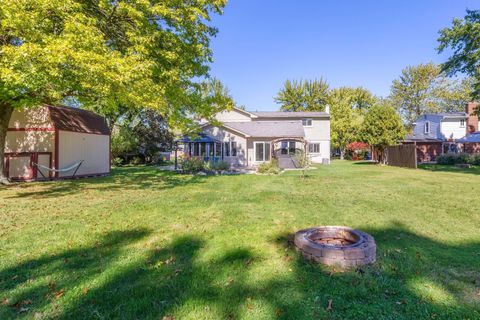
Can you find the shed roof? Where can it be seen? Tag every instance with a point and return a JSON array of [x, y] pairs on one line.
[[78, 120], [293, 129]]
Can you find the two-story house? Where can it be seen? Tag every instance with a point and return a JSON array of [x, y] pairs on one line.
[[246, 139], [439, 133]]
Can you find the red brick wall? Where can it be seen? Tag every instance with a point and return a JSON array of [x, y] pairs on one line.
[[472, 148], [428, 151], [472, 120]]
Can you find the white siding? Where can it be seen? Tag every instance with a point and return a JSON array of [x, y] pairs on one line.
[[232, 116], [93, 149], [450, 129]]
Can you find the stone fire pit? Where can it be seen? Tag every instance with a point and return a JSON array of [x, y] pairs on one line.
[[341, 246]]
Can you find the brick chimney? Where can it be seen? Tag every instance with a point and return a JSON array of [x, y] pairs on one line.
[[472, 120]]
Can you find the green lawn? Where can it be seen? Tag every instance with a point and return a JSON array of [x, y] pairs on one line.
[[146, 244]]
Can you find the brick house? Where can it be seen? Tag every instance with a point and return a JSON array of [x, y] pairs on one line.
[[454, 132]]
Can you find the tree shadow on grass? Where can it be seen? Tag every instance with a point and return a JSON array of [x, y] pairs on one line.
[[412, 276], [450, 168], [129, 178], [37, 283]]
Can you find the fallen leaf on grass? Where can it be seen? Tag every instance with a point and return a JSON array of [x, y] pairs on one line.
[[330, 305], [249, 304], [59, 294], [85, 290], [168, 318], [5, 302]]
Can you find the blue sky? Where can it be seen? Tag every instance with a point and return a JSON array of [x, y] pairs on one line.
[[261, 43]]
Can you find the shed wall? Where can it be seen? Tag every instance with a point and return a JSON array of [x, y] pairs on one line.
[[93, 149]]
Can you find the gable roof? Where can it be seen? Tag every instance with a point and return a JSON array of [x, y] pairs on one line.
[[78, 120], [267, 129], [286, 114], [447, 115]]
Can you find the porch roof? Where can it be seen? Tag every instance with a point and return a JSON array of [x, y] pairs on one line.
[[269, 129], [201, 137]]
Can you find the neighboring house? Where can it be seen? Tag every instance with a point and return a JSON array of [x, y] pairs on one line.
[[56, 138], [246, 139], [439, 133]]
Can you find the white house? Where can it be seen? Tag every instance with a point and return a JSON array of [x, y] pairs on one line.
[[246, 139]]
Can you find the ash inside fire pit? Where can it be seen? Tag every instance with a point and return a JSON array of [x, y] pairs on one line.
[[341, 246]]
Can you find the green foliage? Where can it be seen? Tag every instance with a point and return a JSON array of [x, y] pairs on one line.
[[463, 38], [270, 167], [475, 160], [106, 54], [192, 165], [124, 141], [303, 161], [347, 109], [382, 127], [217, 166], [303, 95], [423, 88], [135, 161], [458, 158], [117, 162]]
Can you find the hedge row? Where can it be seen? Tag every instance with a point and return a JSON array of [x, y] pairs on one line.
[[459, 158]]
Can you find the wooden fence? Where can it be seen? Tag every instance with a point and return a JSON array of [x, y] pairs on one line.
[[404, 155]]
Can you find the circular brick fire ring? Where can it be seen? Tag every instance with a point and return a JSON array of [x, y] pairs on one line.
[[340, 246]]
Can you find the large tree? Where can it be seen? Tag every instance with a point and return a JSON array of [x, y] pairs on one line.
[[382, 127], [423, 88], [463, 37], [104, 54], [303, 95], [347, 108]]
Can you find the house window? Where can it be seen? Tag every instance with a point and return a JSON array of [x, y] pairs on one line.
[[210, 150], [203, 149], [218, 149], [307, 122], [196, 149], [462, 123], [262, 151], [226, 149], [314, 148], [233, 148], [427, 127]]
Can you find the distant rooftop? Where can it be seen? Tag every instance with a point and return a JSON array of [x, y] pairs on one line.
[[286, 114], [448, 114]]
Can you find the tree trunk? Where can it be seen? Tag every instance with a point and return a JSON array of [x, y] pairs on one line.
[[6, 111], [342, 154]]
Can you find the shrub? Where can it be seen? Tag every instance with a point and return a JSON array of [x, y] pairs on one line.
[[192, 165], [117, 162], [454, 158], [136, 161], [476, 160], [269, 167], [217, 166]]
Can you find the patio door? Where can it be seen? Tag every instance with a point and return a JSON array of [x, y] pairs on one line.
[[262, 151]]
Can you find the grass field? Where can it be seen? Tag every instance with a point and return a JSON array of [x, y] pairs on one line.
[[145, 244]]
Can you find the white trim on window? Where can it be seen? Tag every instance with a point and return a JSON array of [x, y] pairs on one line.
[[265, 151], [462, 123], [426, 127], [307, 122], [316, 146]]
